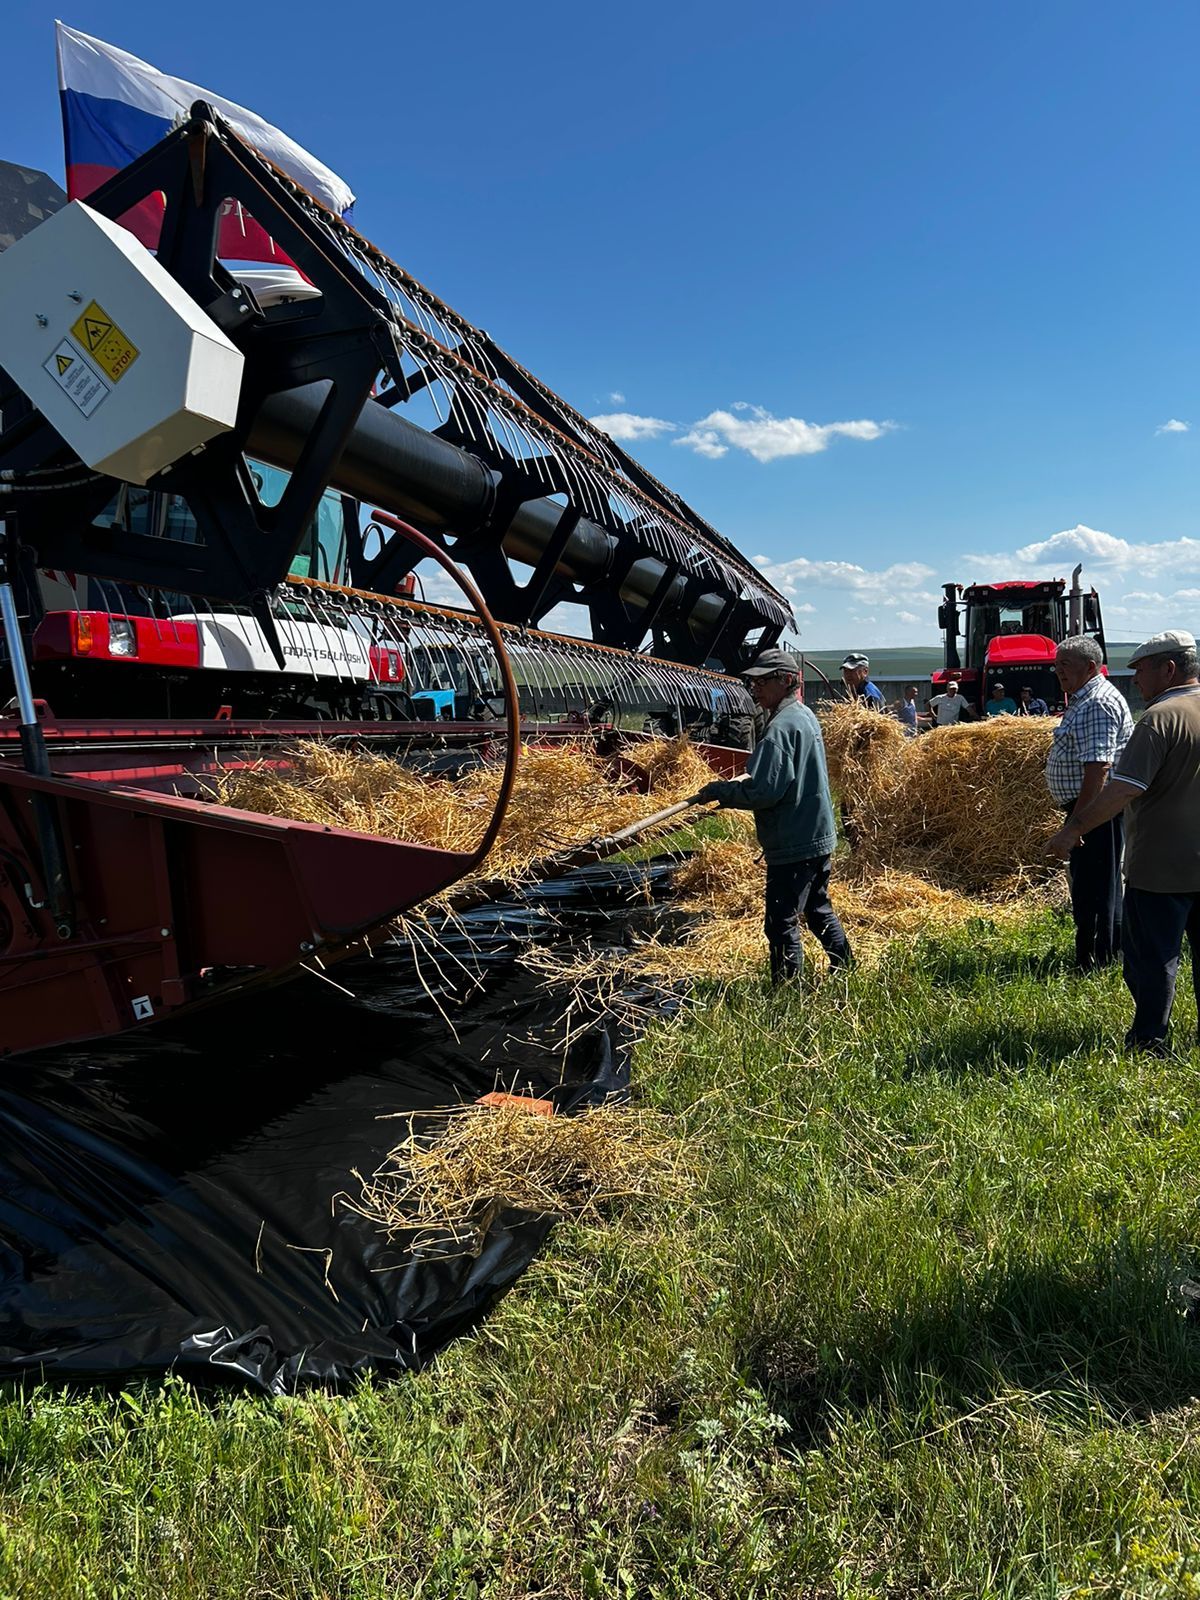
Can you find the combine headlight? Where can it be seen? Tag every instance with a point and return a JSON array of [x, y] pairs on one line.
[[122, 637]]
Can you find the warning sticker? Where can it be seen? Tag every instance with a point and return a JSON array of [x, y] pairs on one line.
[[77, 377], [108, 347]]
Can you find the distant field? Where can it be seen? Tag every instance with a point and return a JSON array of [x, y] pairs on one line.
[[920, 660], [917, 660]]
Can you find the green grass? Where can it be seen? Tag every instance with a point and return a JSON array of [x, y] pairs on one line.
[[918, 1331], [707, 825]]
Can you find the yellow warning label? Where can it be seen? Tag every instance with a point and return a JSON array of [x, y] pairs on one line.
[[108, 347], [63, 363]]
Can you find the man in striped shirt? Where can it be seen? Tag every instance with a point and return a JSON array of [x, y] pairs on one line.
[[1158, 778], [1094, 730]]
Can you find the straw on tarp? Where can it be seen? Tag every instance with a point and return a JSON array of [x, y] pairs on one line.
[[564, 797]]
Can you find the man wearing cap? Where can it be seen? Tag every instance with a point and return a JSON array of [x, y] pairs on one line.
[[786, 786], [1000, 704], [950, 707], [1157, 779], [1086, 746], [1030, 704], [856, 675]]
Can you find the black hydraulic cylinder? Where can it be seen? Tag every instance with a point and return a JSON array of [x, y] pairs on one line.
[[392, 463]]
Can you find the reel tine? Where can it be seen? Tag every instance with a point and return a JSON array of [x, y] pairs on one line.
[[492, 397]]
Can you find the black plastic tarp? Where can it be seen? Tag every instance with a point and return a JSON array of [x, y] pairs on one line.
[[168, 1200]]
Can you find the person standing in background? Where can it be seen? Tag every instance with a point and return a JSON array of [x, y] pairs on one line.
[[1094, 730], [856, 675], [907, 714], [1158, 777], [950, 707]]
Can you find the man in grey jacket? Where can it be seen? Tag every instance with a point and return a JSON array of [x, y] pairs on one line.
[[787, 788]]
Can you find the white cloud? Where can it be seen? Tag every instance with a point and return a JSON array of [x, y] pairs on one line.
[[795, 576], [753, 429], [1075, 544], [1151, 597], [627, 427], [616, 398], [1174, 426], [769, 438], [437, 587], [567, 617], [805, 610], [1163, 575], [705, 442], [1149, 559], [911, 620]]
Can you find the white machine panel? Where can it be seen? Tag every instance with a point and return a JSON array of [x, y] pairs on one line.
[[110, 349], [236, 643]]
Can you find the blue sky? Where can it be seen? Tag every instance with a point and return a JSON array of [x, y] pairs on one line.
[[910, 288]]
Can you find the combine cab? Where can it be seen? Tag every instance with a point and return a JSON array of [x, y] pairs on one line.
[[1008, 633]]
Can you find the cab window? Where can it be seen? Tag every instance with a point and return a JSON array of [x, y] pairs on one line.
[[322, 552]]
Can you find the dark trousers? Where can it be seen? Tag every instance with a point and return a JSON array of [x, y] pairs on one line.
[[1154, 928], [795, 891], [1094, 868]]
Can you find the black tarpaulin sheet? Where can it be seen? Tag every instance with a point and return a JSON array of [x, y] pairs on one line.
[[167, 1200]]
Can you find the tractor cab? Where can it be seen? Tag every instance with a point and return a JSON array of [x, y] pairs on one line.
[[1009, 632]]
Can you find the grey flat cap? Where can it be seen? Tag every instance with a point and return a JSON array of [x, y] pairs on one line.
[[771, 661], [1161, 644]]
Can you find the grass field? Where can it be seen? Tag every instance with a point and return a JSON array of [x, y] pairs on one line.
[[917, 1330]]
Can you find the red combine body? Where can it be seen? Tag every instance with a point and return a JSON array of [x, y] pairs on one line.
[[1010, 633]]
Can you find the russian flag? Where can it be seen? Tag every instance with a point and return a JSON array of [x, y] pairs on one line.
[[116, 107]]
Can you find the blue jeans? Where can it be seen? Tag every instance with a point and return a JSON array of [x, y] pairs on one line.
[[800, 889], [1153, 941]]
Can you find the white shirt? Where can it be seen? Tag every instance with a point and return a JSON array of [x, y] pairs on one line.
[[948, 707]]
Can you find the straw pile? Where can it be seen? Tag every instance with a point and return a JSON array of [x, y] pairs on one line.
[[945, 829], [724, 876], [439, 1189], [965, 806], [672, 768], [861, 749], [563, 796], [721, 886]]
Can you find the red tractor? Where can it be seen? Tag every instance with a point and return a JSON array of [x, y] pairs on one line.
[[1010, 632]]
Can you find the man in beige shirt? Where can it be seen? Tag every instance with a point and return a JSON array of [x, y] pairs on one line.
[[1157, 776]]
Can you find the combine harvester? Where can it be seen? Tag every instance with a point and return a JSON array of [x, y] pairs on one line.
[[175, 448]]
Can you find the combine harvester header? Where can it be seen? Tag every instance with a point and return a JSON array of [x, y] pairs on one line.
[[511, 473], [123, 896]]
